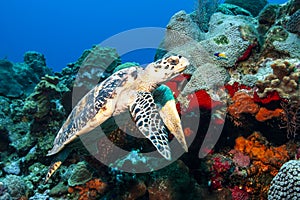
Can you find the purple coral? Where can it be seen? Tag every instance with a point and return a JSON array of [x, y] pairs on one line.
[[239, 194], [240, 159], [219, 165]]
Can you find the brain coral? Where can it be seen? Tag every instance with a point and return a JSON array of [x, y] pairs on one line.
[[286, 184]]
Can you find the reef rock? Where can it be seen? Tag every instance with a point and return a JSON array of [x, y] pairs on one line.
[[293, 25], [80, 175], [230, 9], [231, 35], [15, 186], [254, 6], [173, 182], [268, 15], [95, 65], [228, 34], [21, 78]]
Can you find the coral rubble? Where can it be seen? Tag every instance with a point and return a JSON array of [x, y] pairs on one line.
[[242, 83]]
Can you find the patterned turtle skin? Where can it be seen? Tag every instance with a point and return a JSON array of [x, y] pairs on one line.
[[129, 88]]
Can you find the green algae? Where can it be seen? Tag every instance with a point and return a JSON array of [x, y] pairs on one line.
[[221, 40]]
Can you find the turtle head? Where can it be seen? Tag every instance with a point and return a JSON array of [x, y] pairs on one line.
[[166, 68]]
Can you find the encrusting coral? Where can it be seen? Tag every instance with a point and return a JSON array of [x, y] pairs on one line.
[[242, 103], [265, 114], [265, 161], [258, 151], [92, 189]]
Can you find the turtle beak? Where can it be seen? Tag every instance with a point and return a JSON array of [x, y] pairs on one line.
[[184, 63]]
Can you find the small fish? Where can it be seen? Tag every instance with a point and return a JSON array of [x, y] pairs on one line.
[[221, 55], [54, 166]]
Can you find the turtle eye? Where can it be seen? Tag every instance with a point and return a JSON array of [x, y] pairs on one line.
[[173, 61]]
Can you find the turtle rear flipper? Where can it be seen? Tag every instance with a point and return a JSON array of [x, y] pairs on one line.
[[146, 117]]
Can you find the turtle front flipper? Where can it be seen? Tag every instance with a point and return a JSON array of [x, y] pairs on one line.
[[146, 117], [91, 111], [164, 97]]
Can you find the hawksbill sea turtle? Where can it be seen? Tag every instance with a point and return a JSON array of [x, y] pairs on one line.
[[128, 89]]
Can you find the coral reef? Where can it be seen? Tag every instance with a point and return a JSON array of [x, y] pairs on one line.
[[284, 80], [247, 169], [92, 189], [13, 187], [205, 9], [244, 67], [21, 78], [268, 15], [173, 182], [229, 34], [214, 77], [239, 31], [242, 103], [218, 166], [80, 175], [289, 46], [95, 65], [230, 9], [264, 155], [181, 23], [292, 117], [254, 7], [264, 114], [46, 92], [293, 25], [285, 185]]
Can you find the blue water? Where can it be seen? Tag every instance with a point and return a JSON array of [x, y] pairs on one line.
[[62, 29]]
